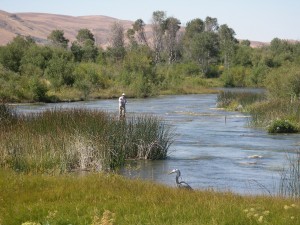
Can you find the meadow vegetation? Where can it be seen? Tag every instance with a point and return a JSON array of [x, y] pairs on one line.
[[101, 198]]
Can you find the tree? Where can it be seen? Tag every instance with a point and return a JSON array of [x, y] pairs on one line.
[[117, 43], [227, 44], [139, 28], [57, 39], [158, 30], [171, 25], [84, 48], [84, 35], [193, 27], [205, 49], [12, 54], [130, 36]]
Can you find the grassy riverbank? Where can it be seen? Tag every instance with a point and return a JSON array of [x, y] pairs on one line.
[[111, 199], [276, 115]]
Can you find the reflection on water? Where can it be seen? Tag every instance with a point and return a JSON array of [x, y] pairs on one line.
[[213, 148]]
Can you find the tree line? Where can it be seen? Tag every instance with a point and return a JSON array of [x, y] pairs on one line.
[[169, 60]]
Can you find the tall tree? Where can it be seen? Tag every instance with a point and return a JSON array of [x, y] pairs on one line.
[[193, 27], [172, 26], [57, 39], [227, 44], [84, 35], [158, 30], [117, 43], [139, 28], [204, 49]]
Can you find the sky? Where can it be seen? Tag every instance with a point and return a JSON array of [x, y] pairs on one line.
[[255, 20]]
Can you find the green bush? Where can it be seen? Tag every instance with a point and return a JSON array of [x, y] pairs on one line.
[[282, 126], [235, 77]]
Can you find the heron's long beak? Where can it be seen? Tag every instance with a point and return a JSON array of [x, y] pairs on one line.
[[171, 172]]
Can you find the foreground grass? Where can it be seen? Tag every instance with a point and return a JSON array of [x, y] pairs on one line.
[[111, 199]]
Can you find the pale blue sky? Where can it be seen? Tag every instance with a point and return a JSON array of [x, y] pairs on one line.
[[257, 20]]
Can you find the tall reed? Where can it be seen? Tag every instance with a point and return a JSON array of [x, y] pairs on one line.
[[58, 141], [290, 178], [231, 99], [264, 113]]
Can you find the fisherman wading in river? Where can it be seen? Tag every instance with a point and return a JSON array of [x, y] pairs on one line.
[[122, 106]]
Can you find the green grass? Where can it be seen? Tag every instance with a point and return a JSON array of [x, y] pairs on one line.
[[99, 198]]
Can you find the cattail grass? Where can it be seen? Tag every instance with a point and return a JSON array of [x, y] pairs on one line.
[[59, 141]]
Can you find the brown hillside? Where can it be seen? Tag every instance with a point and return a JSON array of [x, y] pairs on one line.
[[40, 25]]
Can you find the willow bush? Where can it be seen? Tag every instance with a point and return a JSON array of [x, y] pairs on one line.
[[59, 141]]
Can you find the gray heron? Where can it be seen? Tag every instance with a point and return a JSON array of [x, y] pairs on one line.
[[180, 184]]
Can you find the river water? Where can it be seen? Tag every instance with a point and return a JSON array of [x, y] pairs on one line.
[[213, 148]]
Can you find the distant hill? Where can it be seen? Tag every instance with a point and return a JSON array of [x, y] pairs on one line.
[[40, 25]]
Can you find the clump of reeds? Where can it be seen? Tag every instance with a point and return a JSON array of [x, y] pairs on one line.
[[266, 113], [231, 100], [58, 141], [290, 178]]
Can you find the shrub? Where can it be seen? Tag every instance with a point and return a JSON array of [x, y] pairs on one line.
[[282, 126]]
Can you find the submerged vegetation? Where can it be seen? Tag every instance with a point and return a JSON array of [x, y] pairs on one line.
[[59, 141]]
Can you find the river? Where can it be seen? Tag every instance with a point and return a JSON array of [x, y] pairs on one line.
[[213, 148]]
